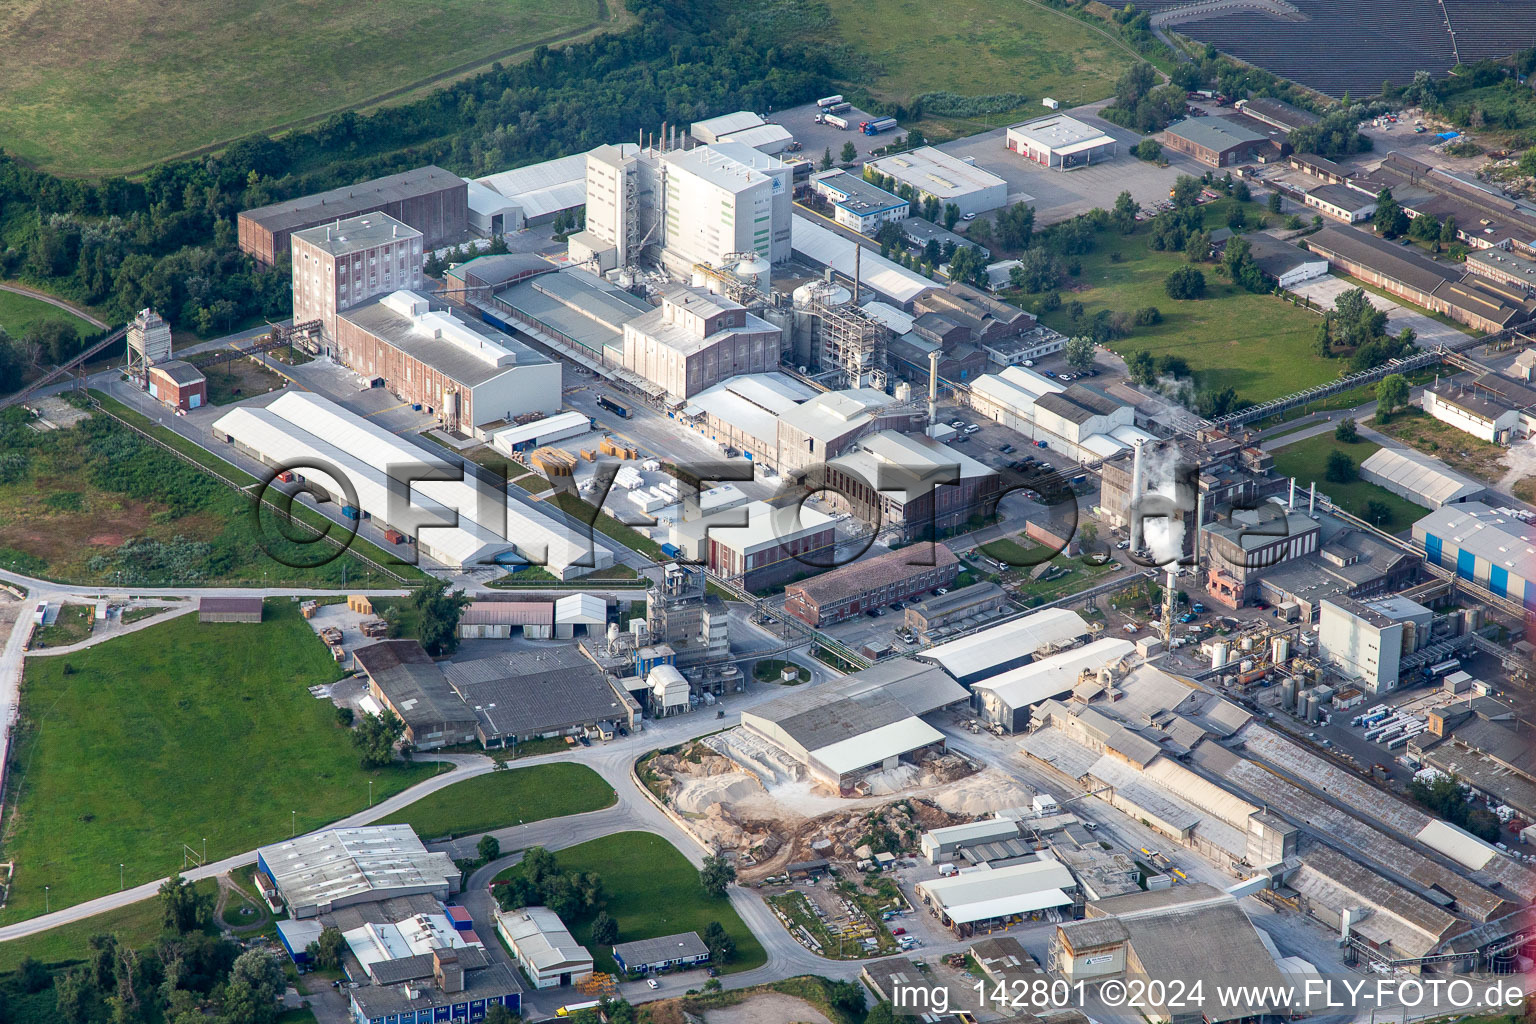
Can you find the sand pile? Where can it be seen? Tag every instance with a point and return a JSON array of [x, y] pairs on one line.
[[694, 794], [983, 793]]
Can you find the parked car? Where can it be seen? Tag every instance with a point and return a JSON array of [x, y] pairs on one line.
[[653, 983], [973, 428], [1007, 449], [899, 931], [942, 591]]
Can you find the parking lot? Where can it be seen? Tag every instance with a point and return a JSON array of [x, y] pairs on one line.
[[1059, 195], [816, 138]]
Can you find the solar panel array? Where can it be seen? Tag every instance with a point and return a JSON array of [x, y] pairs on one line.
[[1355, 45]]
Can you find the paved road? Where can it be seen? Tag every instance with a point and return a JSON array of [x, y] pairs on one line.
[[31, 293]]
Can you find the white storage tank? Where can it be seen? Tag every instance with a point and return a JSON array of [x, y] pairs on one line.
[[1280, 650], [1219, 654], [755, 271]]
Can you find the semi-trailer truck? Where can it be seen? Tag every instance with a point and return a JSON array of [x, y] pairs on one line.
[[829, 101], [880, 124], [837, 122]]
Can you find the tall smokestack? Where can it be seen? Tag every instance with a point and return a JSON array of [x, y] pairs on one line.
[[933, 388], [663, 136], [1199, 521], [857, 250], [1290, 503], [1136, 470], [1312, 498]]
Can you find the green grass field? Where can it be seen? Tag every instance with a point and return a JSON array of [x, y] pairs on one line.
[[976, 48], [135, 925], [72, 626], [652, 891], [505, 798], [19, 312], [1306, 460], [161, 80], [179, 732], [1258, 345]]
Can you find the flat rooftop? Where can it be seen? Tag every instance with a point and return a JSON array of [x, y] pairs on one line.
[[1062, 134], [349, 200], [357, 233], [937, 173]]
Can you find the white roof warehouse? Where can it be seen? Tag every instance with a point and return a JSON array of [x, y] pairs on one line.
[[971, 898]]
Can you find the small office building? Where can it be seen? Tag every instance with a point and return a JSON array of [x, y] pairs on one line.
[[1060, 141], [644, 956]]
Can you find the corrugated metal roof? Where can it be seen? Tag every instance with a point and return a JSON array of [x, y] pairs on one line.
[[824, 246], [1431, 481]]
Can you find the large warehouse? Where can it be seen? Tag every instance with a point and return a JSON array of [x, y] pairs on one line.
[[1060, 141], [405, 679], [695, 340], [871, 583], [502, 530], [826, 248], [1482, 545], [535, 194], [1006, 699], [933, 172], [863, 722], [338, 867], [1221, 141], [983, 896], [989, 652], [463, 372], [429, 199], [1419, 478]]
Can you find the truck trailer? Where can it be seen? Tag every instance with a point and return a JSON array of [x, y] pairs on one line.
[[878, 125]]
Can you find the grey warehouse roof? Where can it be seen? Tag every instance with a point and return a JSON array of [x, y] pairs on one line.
[[660, 949], [412, 682], [1216, 133], [535, 691], [340, 863], [349, 198], [1407, 472]]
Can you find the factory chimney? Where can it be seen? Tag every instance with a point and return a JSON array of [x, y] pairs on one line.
[[857, 249], [1290, 503], [933, 388], [1312, 498], [1135, 520]]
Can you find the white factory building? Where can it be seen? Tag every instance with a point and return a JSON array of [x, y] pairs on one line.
[[694, 340], [867, 721], [508, 201], [527, 436], [709, 205], [989, 652], [1060, 141], [745, 128], [371, 465], [1365, 640], [1008, 698], [545, 949], [340, 867], [1484, 545], [1076, 419], [949, 179], [971, 899]]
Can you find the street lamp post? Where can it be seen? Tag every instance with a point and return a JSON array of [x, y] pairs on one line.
[[205, 851], [370, 792], [293, 820], [119, 878], [47, 901]]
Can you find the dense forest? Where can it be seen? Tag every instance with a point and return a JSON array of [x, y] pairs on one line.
[[168, 240]]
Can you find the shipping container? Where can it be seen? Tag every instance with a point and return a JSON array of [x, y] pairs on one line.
[[394, 536]]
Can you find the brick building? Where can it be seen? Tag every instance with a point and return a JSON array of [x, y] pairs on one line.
[[178, 384], [871, 583], [429, 199], [341, 265]]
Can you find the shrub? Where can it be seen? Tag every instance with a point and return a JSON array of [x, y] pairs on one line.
[[1185, 283]]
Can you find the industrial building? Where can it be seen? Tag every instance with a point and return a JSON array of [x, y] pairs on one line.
[[1221, 141], [338, 867], [1476, 412], [1071, 420], [1009, 645], [508, 201], [1482, 545], [463, 372], [870, 583], [909, 482], [1503, 266], [642, 956], [1277, 113], [1419, 478], [517, 438], [444, 985], [943, 845], [981, 897], [1438, 287], [428, 199], [823, 247], [695, 340], [829, 424], [574, 311], [550, 956], [539, 693], [1008, 698], [1242, 547], [229, 609], [969, 604], [743, 127], [371, 465], [1349, 563], [863, 722], [1366, 640], [1195, 933], [403, 678], [343, 264], [178, 384], [506, 619], [857, 204], [933, 172], [1319, 167], [1285, 264], [1484, 217], [745, 413], [1474, 741], [757, 544], [1059, 141], [1341, 203]]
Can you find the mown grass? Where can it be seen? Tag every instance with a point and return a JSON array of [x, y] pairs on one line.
[[652, 891], [1307, 460], [165, 79], [19, 312], [504, 798], [180, 732], [135, 926]]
